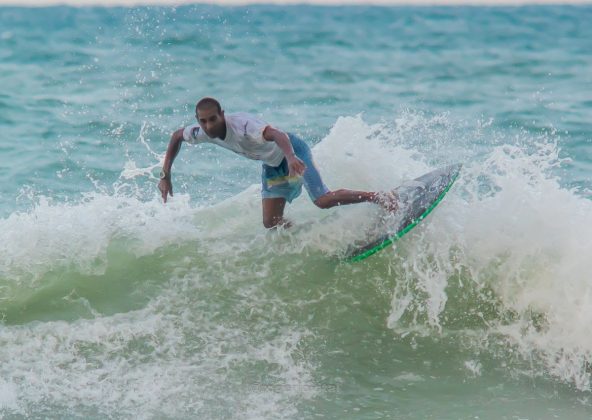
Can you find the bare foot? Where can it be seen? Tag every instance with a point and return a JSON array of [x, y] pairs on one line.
[[389, 200], [282, 224]]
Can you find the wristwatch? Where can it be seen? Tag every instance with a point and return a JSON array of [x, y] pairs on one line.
[[163, 174]]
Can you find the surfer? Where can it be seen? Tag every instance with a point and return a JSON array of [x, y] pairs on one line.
[[287, 161]]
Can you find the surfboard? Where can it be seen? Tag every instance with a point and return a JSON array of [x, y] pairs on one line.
[[416, 199]]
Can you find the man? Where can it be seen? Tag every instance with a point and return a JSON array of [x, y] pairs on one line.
[[287, 161]]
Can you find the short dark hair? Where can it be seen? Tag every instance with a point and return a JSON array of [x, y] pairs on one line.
[[208, 102]]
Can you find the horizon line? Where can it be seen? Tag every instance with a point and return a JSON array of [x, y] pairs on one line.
[[174, 3]]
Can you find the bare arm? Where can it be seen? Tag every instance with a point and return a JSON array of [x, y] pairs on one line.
[[172, 151], [296, 166], [165, 185]]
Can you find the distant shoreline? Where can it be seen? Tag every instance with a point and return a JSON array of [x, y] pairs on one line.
[[108, 3]]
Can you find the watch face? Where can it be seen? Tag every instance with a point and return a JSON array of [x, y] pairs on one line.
[[162, 174]]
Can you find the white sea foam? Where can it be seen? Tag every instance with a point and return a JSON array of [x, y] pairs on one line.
[[144, 363], [511, 227], [219, 333]]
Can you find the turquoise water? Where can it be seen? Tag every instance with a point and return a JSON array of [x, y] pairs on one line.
[[116, 306]]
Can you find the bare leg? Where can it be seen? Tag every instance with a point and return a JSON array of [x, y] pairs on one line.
[[343, 197], [273, 213]]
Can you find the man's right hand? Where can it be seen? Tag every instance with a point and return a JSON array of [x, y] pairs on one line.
[[166, 187]]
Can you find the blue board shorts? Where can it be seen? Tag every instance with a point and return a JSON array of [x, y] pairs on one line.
[[275, 182]]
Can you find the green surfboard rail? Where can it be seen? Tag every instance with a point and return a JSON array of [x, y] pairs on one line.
[[407, 228]]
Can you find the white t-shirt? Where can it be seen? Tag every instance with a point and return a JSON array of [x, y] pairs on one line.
[[244, 135]]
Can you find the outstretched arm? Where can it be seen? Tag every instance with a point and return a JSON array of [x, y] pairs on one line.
[[165, 185], [296, 166]]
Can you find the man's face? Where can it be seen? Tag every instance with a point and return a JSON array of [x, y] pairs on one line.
[[211, 122]]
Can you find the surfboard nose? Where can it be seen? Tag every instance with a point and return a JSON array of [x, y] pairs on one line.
[[452, 169]]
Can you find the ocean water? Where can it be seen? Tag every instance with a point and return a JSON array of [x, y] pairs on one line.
[[114, 305]]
